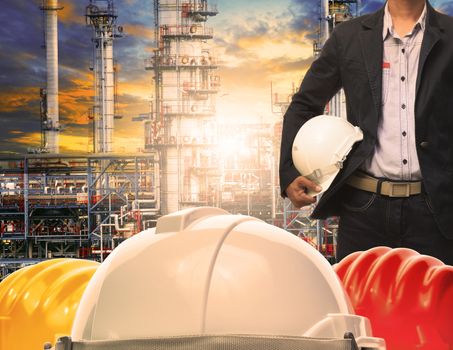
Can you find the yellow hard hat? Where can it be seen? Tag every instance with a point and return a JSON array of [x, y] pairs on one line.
[[38, 302]]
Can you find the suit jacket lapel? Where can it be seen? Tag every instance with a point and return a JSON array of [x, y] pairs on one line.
[[430, 38], [372, 48]]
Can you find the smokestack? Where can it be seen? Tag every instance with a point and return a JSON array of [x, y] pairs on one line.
[[51, 123]]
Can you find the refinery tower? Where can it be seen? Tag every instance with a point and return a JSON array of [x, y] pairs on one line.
[[50, 123], [181, 126], [101, 16]]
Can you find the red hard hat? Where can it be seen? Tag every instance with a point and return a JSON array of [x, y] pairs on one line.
[[407, 297]]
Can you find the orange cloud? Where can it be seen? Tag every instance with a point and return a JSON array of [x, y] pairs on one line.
[[72, 143], [79, 143], [31, 139], [251, 41], [18, 98], [138, 30], [140, 88], [284, 44], [69, 15], [76, 101]]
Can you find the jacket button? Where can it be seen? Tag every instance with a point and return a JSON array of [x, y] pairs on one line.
[[424, 144]]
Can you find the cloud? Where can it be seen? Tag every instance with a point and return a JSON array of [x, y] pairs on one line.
[[304, 16], [444, 6], [21, 57], [248, 42], [371, 6], [139, 30], [24, 99], [255, 74], [20, 69], [72, 12], [135, 12], [75, 103], [257, 47], [74, 143], [19, 130], [133, 105], [79, 140], [29, 140], [257, 42]]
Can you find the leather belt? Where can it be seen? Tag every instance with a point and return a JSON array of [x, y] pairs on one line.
[[384, 187]]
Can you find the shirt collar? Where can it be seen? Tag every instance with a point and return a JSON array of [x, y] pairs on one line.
[[388, 23]]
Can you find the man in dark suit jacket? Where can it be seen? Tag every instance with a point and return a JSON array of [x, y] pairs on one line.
[[418, 116]]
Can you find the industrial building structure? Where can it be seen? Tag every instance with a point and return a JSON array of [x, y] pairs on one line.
[[51, 205], [101, 16], [248, 184], [181, 125], [75, 205], [66, 205]]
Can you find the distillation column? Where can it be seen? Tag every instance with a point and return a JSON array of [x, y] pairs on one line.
[[182, 127], [101, 15], [50, 121], [332, 14]]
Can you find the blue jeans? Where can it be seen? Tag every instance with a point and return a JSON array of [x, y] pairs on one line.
[[368, 220]]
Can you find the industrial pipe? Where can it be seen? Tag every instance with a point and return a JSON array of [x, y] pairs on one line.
[[51, 130]]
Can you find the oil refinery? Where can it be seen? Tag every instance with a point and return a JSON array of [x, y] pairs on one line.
[[188, 241], [83, 205]]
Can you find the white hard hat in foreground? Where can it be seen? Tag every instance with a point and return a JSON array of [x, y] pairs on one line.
[[219, 279], [321, 146]]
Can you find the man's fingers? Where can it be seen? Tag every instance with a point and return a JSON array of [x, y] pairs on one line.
[[301, 199], [303, 182], [298, 190], [305, 199]]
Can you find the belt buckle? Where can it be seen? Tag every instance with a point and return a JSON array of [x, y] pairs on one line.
[[400, 189]]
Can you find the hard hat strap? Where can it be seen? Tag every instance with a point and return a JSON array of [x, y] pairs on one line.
[[213, 342], [317, 174]]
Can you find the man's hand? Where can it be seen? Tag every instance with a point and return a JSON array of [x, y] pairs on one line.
[[297, 191]]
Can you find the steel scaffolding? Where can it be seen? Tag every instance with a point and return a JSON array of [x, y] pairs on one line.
[[51, 206]]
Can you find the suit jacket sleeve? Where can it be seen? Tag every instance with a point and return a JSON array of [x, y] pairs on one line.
[[319, 85]]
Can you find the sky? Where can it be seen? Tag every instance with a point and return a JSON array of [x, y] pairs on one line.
[[257, 42]]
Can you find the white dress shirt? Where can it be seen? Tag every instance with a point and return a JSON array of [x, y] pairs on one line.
[[395, 155]]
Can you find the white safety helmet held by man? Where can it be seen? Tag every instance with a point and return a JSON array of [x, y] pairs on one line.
[[321, 146], [206, 279]]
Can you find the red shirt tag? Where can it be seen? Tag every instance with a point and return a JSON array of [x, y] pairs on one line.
[[385, 65]]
